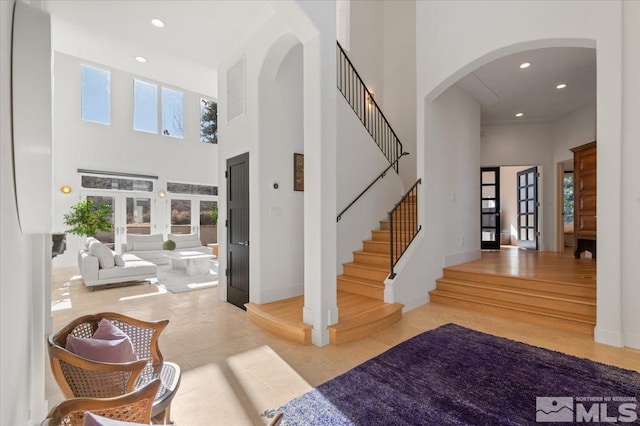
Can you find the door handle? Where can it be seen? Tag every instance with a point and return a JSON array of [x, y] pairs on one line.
[[244, 243]]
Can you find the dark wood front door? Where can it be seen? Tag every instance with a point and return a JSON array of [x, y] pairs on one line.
[[528, 235], [238, 230], [490, 208]]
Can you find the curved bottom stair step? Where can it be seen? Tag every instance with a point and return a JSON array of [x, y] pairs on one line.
[[575, 322], [365, 323]]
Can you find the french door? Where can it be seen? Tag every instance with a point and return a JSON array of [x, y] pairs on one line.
[[133, 213], [490, 208], [193, 215], [528, 235]]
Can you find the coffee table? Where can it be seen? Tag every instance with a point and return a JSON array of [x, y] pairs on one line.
[[196, 263]]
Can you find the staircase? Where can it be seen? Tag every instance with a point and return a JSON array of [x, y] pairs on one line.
[[554, 303]]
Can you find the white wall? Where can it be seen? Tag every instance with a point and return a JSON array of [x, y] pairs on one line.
[[23, 262], [366, 40], [282, 209], [449, 198], [631, 176], [399, 76], [509, 201], [522, 144], [117, 147], [516, 26], [359, 163]]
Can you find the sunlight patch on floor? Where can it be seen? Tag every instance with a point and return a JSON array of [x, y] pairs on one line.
[[267, 380]]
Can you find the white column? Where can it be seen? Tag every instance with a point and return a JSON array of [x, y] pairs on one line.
[[320, 304]]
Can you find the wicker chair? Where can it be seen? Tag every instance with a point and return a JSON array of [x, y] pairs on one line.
[[80, 377], [133, 407]]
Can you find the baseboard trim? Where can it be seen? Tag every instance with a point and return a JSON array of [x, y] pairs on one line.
[[415, 303], [632, 340], [608, 337], [455, 259]]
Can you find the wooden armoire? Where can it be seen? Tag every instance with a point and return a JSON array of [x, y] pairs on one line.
[[584, 198]]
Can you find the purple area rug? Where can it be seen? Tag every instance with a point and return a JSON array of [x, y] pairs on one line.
[[456, 376]]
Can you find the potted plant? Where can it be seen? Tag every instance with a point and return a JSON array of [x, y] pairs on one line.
[[86, 218]]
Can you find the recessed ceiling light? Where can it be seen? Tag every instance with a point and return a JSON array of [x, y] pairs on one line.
[[525, 65], [141, 59], [519, 114], [561, 86], [157, 22]]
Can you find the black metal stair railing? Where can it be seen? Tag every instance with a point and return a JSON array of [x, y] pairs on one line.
[[403, 225], [361, 100]]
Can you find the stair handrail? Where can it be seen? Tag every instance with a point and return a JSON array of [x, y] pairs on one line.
[[407, 233], [359, 97], [380, 176]]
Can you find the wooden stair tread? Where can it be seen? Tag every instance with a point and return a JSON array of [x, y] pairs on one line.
[[516, 307], [515, 277], [372, 254], [366, 266], [522, 291], [361, 281]]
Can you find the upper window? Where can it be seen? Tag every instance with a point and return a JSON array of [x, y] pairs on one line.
[[122, 184], [96, 91], [171, 113], [208, 121], [145, 106], [191, 188]]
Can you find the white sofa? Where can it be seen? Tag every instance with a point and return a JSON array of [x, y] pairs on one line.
[[100, 265], [150, 247]]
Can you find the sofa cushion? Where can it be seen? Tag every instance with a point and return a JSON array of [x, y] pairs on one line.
[[108, 344], [103, 253], [185, 240], [91, 419], [133, 242], [131, 268]]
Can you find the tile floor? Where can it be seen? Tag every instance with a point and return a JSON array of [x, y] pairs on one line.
[[232, 370]]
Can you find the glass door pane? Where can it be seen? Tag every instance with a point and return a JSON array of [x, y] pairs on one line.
[[208, 218], [107, 237], [138, 215], [180, 216]]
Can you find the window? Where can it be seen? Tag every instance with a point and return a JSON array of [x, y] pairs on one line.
[[208, 121], [122, 184], [171, 113], [145, 107], [568, 198], [96, 93], [189, 188]]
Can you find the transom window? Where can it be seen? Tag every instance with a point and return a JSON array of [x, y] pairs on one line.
[[116, 183], [191, 188], [96, 95]]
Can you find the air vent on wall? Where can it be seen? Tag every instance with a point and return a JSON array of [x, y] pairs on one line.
[[235, 90]]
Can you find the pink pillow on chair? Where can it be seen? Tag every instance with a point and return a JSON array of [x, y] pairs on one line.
[[108, 344]]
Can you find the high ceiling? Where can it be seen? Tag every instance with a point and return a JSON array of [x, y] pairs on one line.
[[504, 89], [188, 49]]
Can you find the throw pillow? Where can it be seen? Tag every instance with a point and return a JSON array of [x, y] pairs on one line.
[[91, 419], [108, 344], [103, 253], [117, 259], [185, 240]]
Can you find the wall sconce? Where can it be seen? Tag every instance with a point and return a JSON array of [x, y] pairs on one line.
[[65, 189], [162, 193]]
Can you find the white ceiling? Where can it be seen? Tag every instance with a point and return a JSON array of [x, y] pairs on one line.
[[186, 52], [503, 89]]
